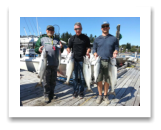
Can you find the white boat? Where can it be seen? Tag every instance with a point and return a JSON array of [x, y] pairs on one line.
[[30, 61]]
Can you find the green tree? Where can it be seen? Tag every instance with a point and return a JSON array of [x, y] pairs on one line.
[[91, 38], [128, 46]]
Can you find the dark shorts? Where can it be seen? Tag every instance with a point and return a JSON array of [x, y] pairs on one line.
[[103, 72]]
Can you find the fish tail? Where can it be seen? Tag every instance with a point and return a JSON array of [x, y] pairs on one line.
[[112, 93], [89, 90], [67, 83], [38, 85]]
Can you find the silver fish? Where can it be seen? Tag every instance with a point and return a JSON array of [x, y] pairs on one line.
[[87, 73], [59, 56], [112, 72], [42, 67], [96, 68], [69, 66]]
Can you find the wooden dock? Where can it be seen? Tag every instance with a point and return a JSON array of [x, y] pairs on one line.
[[127, 91]]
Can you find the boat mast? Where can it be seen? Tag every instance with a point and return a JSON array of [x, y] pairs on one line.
[[27, 36], [37, 27]]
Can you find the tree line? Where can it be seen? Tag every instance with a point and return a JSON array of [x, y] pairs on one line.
[[129, 48], [65, 36]]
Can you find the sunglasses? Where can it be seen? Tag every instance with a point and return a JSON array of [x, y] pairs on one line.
[[50, 29], [77, 29], [105, 26]]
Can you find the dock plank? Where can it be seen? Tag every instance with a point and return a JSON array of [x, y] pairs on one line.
[[135, 91], [137, 100], [128, 82], [119, 81], [40, 100], [120, 86], [39, 90], [128, 93]]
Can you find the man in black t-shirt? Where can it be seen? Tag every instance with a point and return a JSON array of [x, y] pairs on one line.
[[80, 45]]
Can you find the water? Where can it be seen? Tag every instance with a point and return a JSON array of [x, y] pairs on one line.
[[130, 55]]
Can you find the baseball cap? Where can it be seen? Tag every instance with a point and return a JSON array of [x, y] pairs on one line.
[[105, 22], [49, 26]]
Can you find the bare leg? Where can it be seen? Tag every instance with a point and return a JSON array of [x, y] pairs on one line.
[[106, 87], [99, 85]]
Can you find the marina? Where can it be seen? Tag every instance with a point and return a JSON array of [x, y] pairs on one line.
[[127, 90]]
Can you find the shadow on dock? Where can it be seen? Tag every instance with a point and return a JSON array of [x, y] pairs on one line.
[[123, 94], [28, 91]]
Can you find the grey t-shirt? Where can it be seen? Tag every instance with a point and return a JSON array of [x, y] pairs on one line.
[[52, 55]]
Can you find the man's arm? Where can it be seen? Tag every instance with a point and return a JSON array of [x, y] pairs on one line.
[[88, 45], [95, 49]]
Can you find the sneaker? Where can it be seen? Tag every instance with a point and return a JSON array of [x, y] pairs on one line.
[[105, 98], [47, 98], [75, 94], [81, 95], [54, 96], [99, 99]]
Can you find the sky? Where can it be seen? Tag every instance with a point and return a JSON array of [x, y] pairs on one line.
[[129, 26], [129, 30]]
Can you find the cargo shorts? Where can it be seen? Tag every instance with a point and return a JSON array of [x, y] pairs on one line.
[[103, 74]]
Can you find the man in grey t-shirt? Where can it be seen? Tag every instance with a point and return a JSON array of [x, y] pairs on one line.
[[50, 44]]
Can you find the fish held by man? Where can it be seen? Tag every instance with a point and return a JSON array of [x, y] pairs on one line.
[[69, 67], [59, 55], [96, 68], [42, 67], [87, 72], [112, 73]]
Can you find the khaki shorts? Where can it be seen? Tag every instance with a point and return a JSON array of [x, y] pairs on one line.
[[103, 72]]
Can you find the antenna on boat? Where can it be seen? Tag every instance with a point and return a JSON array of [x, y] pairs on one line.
[[37, 27]]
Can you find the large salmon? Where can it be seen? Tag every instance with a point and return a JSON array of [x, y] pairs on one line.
[[42, 67], [69, 66], [87, 72], [112, 72]]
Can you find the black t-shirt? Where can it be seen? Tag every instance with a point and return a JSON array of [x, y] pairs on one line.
[[79, 45]]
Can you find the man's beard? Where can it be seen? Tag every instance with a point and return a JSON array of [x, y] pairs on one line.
[[49, 34], [105, 32]]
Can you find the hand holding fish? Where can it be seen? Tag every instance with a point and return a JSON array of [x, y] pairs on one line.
[[115, 54], [61, 45], [68, 50], [40, 49], [88, 54], [95, 55]]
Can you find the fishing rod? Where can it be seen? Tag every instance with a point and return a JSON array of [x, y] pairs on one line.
[[58, 27]]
